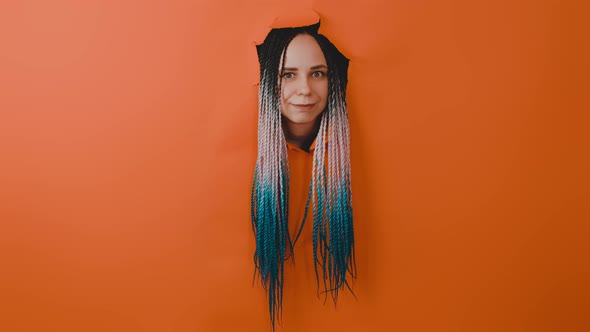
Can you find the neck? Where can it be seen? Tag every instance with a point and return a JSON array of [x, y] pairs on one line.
[[301, 134]]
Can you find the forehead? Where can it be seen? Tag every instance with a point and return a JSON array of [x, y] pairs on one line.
[[304, 52]]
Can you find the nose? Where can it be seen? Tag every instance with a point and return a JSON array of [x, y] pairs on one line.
[[303, 87]]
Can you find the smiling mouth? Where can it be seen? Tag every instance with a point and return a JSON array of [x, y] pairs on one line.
[[303, 107]]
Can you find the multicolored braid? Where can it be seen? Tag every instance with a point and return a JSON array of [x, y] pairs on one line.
[[330, 188]]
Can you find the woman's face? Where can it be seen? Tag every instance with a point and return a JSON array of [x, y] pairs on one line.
[[304, 81]]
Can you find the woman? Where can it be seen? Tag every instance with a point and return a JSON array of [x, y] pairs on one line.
[[303, 132]]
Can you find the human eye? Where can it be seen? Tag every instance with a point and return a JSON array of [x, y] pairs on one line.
[[318, 74], [288, 75]]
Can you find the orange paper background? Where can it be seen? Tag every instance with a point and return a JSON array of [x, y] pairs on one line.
[[128, 141]]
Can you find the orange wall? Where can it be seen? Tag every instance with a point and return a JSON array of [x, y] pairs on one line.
[[128, 141]]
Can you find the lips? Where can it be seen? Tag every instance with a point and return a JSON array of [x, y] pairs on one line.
[[303, 107]]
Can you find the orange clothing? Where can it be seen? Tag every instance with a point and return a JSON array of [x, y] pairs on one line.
[[300, 282]]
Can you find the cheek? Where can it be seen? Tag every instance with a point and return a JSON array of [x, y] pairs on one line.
[[322, 91], [287, 92]]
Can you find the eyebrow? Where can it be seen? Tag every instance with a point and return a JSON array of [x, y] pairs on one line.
[[314, 67]]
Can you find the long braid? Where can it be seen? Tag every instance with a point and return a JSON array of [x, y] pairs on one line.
[[333, 230], [330, 191], [270, 188]]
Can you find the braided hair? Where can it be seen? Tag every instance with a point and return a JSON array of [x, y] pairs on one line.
[[330, 188]]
